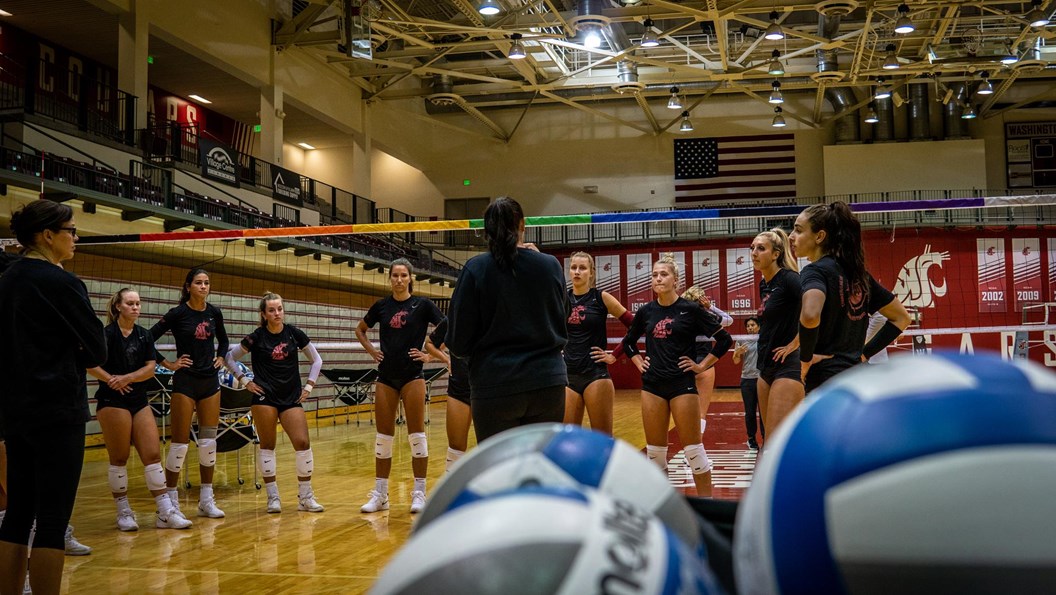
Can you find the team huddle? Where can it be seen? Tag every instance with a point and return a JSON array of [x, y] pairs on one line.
[[520, 346]]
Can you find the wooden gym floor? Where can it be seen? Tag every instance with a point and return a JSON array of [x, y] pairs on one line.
[[336, 551]]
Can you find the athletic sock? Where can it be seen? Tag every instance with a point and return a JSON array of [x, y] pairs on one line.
[[381, 485], [207, 492], [164, 504], [419, 484], [272, 489], [304, 488]]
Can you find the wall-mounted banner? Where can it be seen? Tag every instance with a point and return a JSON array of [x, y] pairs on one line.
[[1026, 271], [1052, 269], [740, 281], [608, 271], [706, 272], [1030, 151], [639, 280], [286, 185], [991, 258], [219, 161]]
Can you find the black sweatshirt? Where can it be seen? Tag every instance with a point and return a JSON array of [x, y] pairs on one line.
[[50, 336], [510, 324]]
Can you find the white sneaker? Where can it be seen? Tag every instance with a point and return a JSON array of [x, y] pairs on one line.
[[417, 501], [74, 547], [274, 505], [174, 520], [309, 504], [378, 501], [208, 508], [126, 521]]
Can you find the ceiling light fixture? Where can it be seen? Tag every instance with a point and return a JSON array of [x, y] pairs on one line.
[[779, 120], [4, 13], [882, 90], [968, 113], [686, 125], [199, 99], [775, 93], [774, 31], [591, 36], [891, 60], [775, 68], [489, 8], [649, 39], [870, 116], [306, 146], [516, 47], [904, 24], [674, 102], [1036, 17], [985, 88]]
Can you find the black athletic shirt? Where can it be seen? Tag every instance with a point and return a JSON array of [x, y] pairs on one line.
[[845, 316], [402, 325], [670, 333], [125, 355], [778, 314], [194, 332], [274, 359], [49, 334], [458, 377], [586, 329]]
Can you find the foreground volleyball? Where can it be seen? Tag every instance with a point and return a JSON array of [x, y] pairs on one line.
[[565, 456], [927, 474], [544, 541]]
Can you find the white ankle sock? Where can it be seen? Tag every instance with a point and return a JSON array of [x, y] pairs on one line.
[[419, 484], [164, 503], [206, 493], [272, 489], [304, 488], [381, 485]]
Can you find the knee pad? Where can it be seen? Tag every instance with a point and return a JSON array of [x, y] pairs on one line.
[[155, 477], [305, 463], [452, 457], [383, 446], [118, 477], [419, 446], [266, 462], [177, 454], [698, 459], [658, 455], [207, 432], [207, 451]]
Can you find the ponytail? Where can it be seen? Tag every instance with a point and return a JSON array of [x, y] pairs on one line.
[[779, 242], [502, 228], [843, 240]]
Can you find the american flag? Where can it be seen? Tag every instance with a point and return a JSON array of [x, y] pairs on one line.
[[735, 167]]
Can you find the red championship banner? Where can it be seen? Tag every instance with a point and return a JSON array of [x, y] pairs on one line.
[[639, 282], [1026, 271], [608, 272], [706, 272], [1052, 269], [741, 291], [992, 290]]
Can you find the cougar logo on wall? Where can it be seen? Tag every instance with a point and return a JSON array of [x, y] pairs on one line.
[[915, 287]]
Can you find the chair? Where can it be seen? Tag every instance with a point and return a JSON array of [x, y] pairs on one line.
[[352, 386], [235, 429], [159, 398]]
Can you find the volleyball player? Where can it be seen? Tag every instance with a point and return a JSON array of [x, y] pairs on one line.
[[586, 356], [705, 380], [838, 295], [276, 382], [123, 413], [671, 325], [508, 316], [50, 335], [403, 319], [459, 414], [780, 383], [201, 343]]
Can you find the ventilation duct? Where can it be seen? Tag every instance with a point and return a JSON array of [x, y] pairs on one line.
[[841, 98], [955, 126], [884, 129], [919, 112]]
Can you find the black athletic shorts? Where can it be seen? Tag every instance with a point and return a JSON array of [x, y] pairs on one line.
[[669, 388], [280, 405], [458, 389], [825, 369], [132, 403], [195, 387], [771, 371], [397, 384], [579, 381]]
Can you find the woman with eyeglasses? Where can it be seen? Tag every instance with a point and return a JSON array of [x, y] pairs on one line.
[[50, 336]]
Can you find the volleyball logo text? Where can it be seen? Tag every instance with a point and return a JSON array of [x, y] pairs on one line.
[[914, 287]]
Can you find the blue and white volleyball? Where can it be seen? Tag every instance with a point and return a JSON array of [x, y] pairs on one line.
[[928, 474], [545, 541], [566, 456], [229, 380]]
